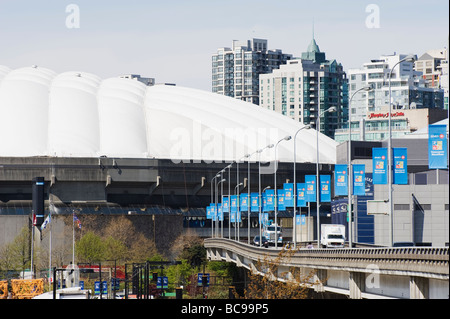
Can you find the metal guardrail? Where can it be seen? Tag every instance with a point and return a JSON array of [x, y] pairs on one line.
[[429, 262]]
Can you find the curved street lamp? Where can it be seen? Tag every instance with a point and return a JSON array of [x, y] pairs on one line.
[[287, 138], [367, 88], [306, 127], [330, 110], [410, 58]]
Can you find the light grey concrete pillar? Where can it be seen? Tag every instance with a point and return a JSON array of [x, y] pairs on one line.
[[418, 288], [356, 284]]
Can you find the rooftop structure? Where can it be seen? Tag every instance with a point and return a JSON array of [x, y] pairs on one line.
[[77, 115]]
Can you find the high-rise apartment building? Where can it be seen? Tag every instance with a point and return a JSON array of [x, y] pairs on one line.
[[236, 70], [429, 64], [304, 88], [407, 86]]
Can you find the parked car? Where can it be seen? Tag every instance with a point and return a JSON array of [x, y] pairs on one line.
[[264, 243]]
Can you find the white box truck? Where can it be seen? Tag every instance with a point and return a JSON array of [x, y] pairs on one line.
[[271, 234], [332, 236]]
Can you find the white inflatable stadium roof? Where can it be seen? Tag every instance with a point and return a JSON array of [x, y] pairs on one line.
[[77, 114]]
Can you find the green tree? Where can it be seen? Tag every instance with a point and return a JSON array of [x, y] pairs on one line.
[[114, 249], [195, 255], [17, 254], [90, 248]]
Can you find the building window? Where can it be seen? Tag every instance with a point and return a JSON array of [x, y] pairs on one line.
[[420, 179], [401, 206]]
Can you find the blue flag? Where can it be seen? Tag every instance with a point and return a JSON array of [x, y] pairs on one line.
[[437, 146], [289, 194], [233, 203], [270, 200], [310, 181], [325, 188], [340, 180], [225, 204], [214, 212], [401, 166], [208, 212], [243, 202], [301, 195], [300, 220], [254, 199], [238, 217], [359, 179], [264, 202], [280, 200], [380, 165], [220, 212]]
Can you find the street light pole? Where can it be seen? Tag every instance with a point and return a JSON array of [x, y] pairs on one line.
[[212, 201], [287, 138], [248, 190], [331, 109], [259, 191], [217, 204], [295, 187], [350, 171], [411, 59], [236, 192]]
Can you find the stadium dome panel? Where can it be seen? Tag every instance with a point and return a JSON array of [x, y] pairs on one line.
[[75, 114], [123, 131], [24, 101], [73, 120]]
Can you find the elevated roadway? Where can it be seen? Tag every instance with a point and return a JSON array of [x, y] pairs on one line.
[[359, 273]]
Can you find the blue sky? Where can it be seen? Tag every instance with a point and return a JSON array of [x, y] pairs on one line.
[[173, 40]]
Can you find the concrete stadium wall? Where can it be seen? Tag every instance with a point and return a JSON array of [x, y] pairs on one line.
[[164, 229]]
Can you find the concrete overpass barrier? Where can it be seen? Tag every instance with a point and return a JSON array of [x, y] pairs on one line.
[[407, 272]]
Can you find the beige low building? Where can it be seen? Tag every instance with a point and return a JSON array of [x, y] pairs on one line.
[[405, 121]]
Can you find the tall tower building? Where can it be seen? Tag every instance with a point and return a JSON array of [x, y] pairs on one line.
[[236, 70], [304, 88]]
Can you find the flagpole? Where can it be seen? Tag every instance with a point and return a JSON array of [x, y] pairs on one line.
[[73, 238], [32, 246], [50, 246]]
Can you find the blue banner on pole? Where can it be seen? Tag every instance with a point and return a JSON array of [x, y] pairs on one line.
[[243, 207], [270, 200], [214, 212], [254, 200], [340, 180], [325, 188], [97, 288], [208, 212], [225, 204], [380, 165], [437, 146], [301, 195], [401, 166], [265, 219], [233, 203], [359, 179], [264, 202], [310, 181], [220, 212], [280, 200], [288, 194], [300, 220]]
